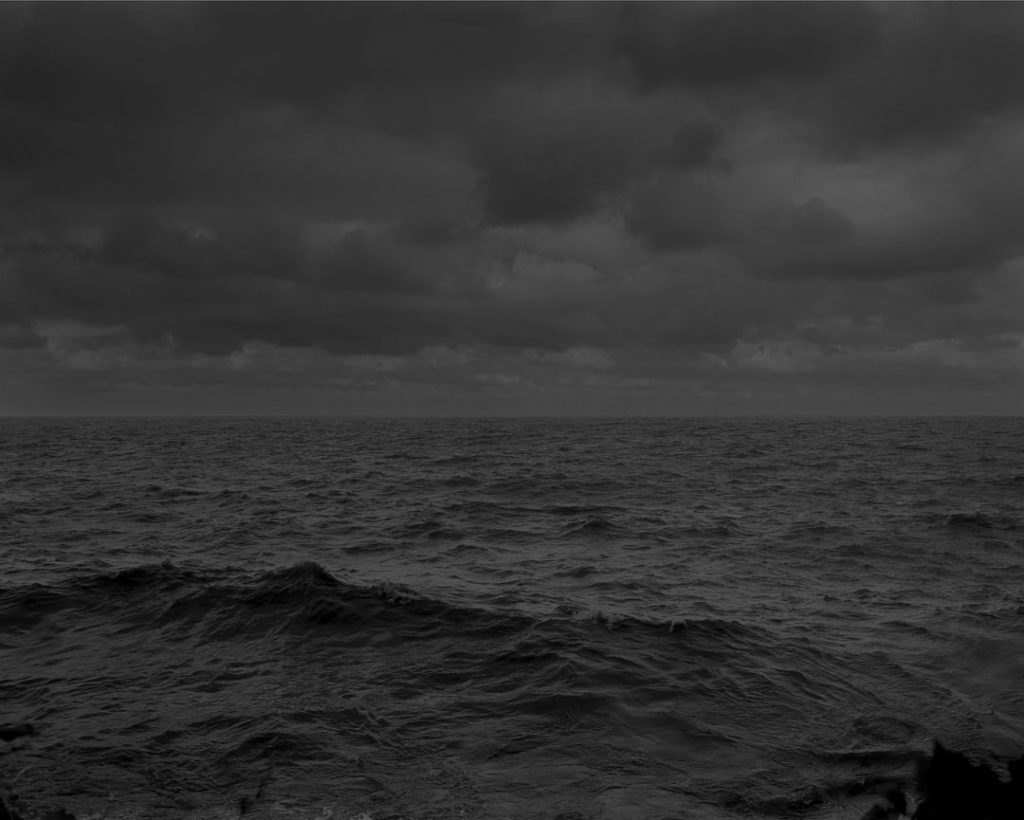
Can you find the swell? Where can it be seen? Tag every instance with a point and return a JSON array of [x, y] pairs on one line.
[[166, 595], [623, 666], [214, 675]]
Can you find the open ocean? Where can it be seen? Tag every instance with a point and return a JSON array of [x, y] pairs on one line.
[[504, 618]]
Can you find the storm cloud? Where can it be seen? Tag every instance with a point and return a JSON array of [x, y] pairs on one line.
[[558, 207]]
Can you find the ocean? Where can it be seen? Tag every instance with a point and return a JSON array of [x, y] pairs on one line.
[[371, 618]]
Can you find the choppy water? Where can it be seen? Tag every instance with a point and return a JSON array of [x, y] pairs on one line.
[[396, 618]]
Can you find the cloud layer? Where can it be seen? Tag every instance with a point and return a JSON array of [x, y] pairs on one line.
[[460, 208]]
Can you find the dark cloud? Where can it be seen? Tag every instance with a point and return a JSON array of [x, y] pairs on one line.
[[211, 289], [19, 337], [311, 52], [702, 44], [967, 237], [680, 213], [883, 257], [939, 70], [183, 61], [501, 194], [147, 106], [365, 263], [435, 229], [863, 77], [539, 177], [694, 143], [816, 223], [554, 153]]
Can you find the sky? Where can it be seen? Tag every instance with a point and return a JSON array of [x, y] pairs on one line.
[[491, 209]]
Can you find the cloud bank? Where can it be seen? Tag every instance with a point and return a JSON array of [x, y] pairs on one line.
[[511, 208]]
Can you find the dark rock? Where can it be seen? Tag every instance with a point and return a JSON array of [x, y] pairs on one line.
[[954, 788]]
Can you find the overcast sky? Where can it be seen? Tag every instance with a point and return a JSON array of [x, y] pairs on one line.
[[485, 208]]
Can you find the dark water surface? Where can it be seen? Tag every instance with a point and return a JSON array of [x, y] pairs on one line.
[[575, 618]]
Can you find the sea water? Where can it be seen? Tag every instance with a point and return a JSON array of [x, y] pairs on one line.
[[491, 618]]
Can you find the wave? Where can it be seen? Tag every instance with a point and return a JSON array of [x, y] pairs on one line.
[[231, 604], [301, 665], [429, 528], [723, 527], [456, 458], [805, 529], [576, 509], [588, 526], [979, 520], [461, 480], [574, 664], [171, 492]]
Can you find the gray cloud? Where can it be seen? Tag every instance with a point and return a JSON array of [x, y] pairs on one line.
[[702, 44], [661, 197], [967, 231], [16, 336], [680, 212], [558, 152], [939, 70]]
